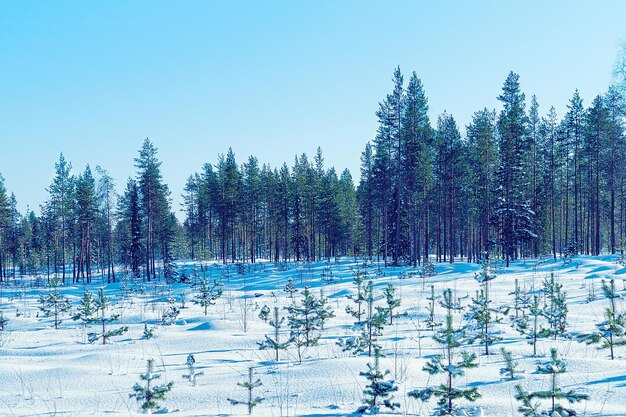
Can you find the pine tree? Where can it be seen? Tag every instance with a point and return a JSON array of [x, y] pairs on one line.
[[359, 298], [291, 289], [554, 367], [53, 304], [61, 191], [3, 321], [249, 385], [392, 302], [5, 220], [107, 197], [556, 309], [275, 343], [149, 394], [481, 314], [430, 321], [510, 365], [192, 374], [264, 313], [129, 229], [449, 339], [304, 320], [371, 328], [611, 332], [86, 308], [208, 293], [102, 304], [378, 391], [512, 216], [324, 310], [147, 332]]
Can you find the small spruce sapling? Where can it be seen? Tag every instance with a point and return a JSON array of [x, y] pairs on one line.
[[249, 385], [481, 317], [53, 304], [306, 317], [192, 374], [554, 367], [148, 395], [537, 331], [481, 313], [521, 304], [428, 270], [378, 391]]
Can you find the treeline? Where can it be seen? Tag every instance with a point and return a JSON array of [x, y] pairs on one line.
[[517, 183], [84, 228]]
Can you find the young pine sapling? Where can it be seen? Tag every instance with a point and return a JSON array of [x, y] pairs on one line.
[[53, 304], [554, 367], [378, 391], [249, 385], [275, 343], [148, 394]]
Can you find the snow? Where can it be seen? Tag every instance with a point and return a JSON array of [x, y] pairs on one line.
[[44, 371]]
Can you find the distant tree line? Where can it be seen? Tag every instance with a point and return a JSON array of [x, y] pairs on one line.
[[517, 183]]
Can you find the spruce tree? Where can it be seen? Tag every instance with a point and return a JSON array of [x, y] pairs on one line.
[[291, 289], [512, 215]]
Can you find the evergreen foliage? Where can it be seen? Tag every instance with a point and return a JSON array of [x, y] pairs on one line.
[[149, 394]]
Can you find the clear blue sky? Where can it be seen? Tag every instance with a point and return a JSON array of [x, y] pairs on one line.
[[92, 79]]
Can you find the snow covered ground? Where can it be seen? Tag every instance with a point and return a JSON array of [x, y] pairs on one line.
[[44, 371]]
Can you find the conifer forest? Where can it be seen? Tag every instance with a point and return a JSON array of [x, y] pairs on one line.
[[467, 269]]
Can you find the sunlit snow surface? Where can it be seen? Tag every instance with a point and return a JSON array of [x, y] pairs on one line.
[[56, 372]]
